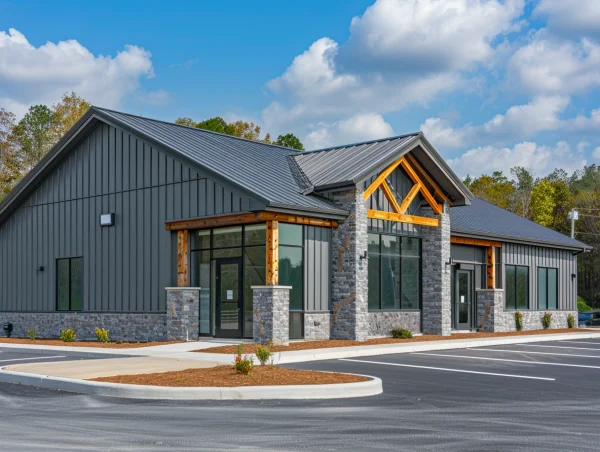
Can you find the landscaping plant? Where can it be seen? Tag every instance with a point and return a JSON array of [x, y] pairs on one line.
[[31, 334], [571, 321], [263, 352], [546, 320], [519, 320], [582, 306], [243, 365], [68, 335], [102, 335], [401, 333]]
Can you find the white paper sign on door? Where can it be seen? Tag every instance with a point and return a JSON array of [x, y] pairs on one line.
[[462, 298], [230, 294]]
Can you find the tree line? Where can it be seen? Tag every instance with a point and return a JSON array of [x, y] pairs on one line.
[[548, 201]]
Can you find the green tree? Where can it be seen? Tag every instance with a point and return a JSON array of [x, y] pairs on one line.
[[9, 166], [523, 188], [216, 124], [35, 134], [496, 189], [184, 121], [67, 112], [563, 202], [542, 203], [289, 140]]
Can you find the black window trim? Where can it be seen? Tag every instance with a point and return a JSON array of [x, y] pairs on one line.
[[515, 307], [547, 287], [70, 294]]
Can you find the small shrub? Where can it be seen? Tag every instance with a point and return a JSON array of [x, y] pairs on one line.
[[582, 306], [571, 321], [68, 335], [401, 333], [102, 335], [120, 341], [263, 352], [31, 334], [243, 365], [519, 320], [547, 319]]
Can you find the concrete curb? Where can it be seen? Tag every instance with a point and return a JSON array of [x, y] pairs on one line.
[[331, 391]]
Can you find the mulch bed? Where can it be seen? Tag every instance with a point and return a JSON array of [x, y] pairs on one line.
[[96, 344], [226, 376], [309, 345]]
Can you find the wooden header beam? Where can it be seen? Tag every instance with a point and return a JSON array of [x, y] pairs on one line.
[[476, 242], [490, 255], [247, 218], [412, 219]]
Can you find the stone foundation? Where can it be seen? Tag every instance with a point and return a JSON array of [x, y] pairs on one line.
[[490, 307], [317, 326], [183, 313], [532, 320], [382, 323], [129, 327], [271, 314]]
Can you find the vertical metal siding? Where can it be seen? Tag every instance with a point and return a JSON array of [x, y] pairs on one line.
[[534, 257], [126, 266], [317, 271]]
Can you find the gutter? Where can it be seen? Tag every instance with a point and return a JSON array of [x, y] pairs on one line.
[[524, 241]]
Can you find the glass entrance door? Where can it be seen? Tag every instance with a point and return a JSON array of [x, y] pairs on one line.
[[228, 299], [463, 299]]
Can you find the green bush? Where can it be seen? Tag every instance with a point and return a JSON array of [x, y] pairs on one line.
[[31, 334], [546, 320], [519, 320], [68, 335], [582, 306], [571, 321], [102, 335], [401, 333], [263, 352], [243, 365], [120, 341]]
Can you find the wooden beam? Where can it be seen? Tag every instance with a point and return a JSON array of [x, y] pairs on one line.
[[409, 198], [438, 191], [272, 276], [401, 218], [476, 242], [491, 267], [182, 259], [387, 191], [381, 178], [437, 208], [247, 218]]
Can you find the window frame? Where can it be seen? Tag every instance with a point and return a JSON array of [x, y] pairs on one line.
[[69, 259], [527, 291], [547, 288]]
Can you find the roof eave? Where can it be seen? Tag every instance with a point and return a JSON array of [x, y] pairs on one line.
[[524, 241]]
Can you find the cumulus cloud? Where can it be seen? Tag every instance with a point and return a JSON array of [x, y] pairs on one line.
[[543, 159], [519, 122], [30, 74], [596, 152], [362, 127], [571, 18]]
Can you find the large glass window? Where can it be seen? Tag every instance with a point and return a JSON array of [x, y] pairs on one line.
[[547, 288], [394, 272], [517, 287], [69, 284], [290, 274]]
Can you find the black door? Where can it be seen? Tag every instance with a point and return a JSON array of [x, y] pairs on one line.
[[229, 297], [463, 282]]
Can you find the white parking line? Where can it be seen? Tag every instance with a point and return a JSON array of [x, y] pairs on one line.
[[27, 359], [580, 342], [530, 353], [559, 346], [508, 360], [449, 370]]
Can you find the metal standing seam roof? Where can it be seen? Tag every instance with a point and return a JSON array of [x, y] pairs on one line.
[[259, 168], [482, 218]]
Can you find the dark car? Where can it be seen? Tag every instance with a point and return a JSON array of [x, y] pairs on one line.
[[589, 318]]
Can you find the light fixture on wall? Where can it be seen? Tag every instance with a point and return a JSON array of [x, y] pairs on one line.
[[40, 268], [363, 255], [573, 275], [450, 262], [107, 219]]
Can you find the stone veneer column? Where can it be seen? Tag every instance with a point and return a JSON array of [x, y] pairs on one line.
[[349, 290], [183, 313], [436, 290], [271, 314], [490, 305]]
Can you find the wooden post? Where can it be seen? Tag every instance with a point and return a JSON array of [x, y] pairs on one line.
[[491, 267], [272, 253], [182, 259]]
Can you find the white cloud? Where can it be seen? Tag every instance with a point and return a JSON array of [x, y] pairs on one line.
[[572, 17], [548, 65], [583, 123], [30, 74], [519, 122], [596, 152], [358, 128], [157, 98], [541, 159]]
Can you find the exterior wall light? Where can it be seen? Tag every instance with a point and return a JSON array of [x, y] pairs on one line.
[[107, 219]]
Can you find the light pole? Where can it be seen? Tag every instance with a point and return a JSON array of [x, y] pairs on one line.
[[573, 215]]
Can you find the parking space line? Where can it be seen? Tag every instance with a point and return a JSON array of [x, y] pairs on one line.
[[507, 360], [27, 359], [580, 342], [530, 353], [559, 346], [449, 370]]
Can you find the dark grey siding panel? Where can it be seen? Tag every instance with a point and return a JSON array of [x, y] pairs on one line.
[[317, 271], [534, 257], [126, 266], [466, 253]]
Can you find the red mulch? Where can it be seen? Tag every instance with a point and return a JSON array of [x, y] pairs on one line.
[[97, 344]]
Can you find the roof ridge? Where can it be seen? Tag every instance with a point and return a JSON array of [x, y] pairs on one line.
[[360, 143], [197, 129]]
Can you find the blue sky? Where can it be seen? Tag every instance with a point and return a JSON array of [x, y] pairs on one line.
[[491, 83]]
